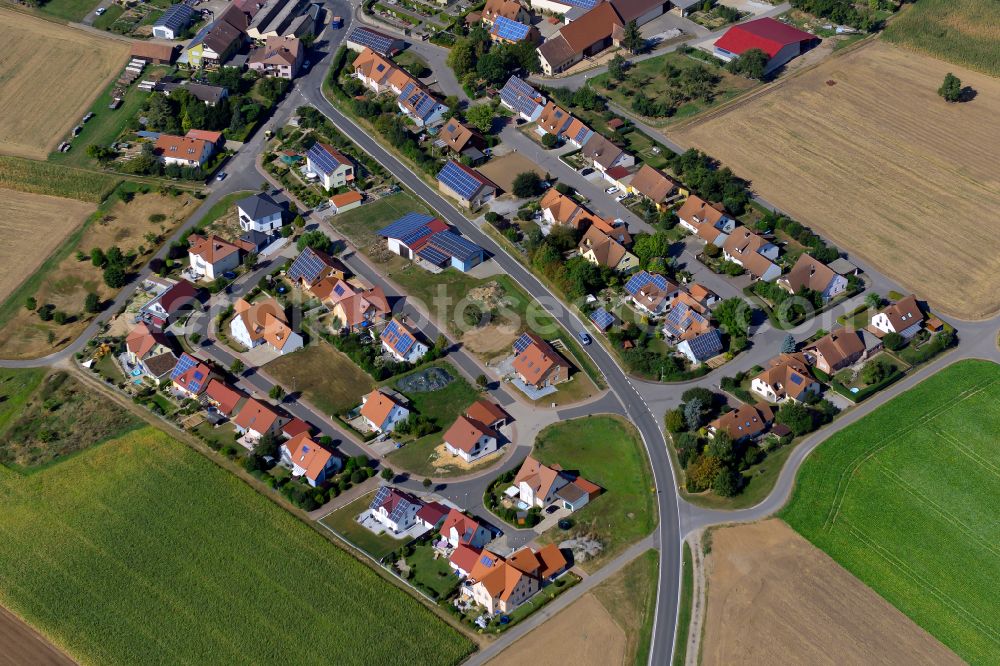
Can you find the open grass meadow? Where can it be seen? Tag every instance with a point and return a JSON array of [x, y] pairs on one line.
[[608, 451], [965, 32], [324, 376], [142, 551], [906, 499], [630, 598]]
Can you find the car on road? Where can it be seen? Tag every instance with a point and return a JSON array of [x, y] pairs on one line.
[[221, 176], [611, 190], [621, 197], [584, 338]]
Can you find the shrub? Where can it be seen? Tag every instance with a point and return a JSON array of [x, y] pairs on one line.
[[30, 303]]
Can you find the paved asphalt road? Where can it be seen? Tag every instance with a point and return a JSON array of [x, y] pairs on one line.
[[641, 402]]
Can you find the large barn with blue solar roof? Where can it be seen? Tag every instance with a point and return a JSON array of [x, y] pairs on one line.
[[471, 188]]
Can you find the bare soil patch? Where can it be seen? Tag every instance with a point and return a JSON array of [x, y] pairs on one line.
[[584, 634], [490, 339], [503, 170], [22, 247], [50, 74], [20, 644], [123, 224], [446, 462], [775, 598], [881, 165]]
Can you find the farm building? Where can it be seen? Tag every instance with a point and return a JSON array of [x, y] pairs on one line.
[[471, 188], [158, 54], [173, 21], [284, 18], [362, 38], [779, 41], [218, 40], [418, 236]]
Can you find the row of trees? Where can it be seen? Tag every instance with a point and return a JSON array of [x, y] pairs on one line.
[[703, 175]]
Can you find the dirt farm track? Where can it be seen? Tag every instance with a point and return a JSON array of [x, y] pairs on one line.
[[49, 76], [863, 150]]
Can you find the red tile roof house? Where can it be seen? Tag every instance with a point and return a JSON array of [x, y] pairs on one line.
[[432, 514], [537, 483], [143, 342], [489, 413], [396, 510], [463, 559], [753, 253], [836, 350], [222, 397], [308, 459], [537, 364], [178, 296], [212, 256], [810, 273], [382, 412], [746, 421], [779, 41], [707, 221], [786, 378], [500, 586], [255, 419], [182, 150], [460, 529], [469, 439], [903, 317], [190, 376]]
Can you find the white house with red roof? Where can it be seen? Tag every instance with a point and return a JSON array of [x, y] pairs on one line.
[[256, 419], [222, 397], [903, 317], [402, 343], [432, 514], [308, 459], [780, 41], [460, 529], [190, 376], [396, 510], [470, 439], [161, 309], [382, 411], [143, 342]]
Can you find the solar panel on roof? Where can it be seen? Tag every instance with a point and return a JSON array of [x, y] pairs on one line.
[[433, 255], [520, 96], [796, 379], [377, 42], [380, 496], [706, 345], [307, 266], [322, 159], [460, 181], [405, 225], [522, 343], [397, 338], [509, 29], [339, 290], [642, 279], [185, 363], [456, 246], [602, 318]]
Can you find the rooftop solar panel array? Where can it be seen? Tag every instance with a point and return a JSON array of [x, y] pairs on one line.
[[642, 279], [456, 246], [380, 496], [585, 4], [522, 343], [509, 29], [602, 318], [176, 17], [680, 318], [405, 225], [520, 96], [705, 345], [398, 338], [323, 160], [376, 41], [433, 255], [458, 180], [581, 134], [185, 363], [307, 266]]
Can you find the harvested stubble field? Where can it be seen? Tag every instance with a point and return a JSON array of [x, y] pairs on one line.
[[49, 75], [877, 162], [23, 248], [774, 598], [906, 499], [143, 551]]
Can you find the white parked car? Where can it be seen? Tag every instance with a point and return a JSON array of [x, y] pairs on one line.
[[621, 197], [100, 11], [611, 190]]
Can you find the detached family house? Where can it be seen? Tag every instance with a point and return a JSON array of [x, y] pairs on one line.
[[604, 154], [707, 221], [259, 212], [333, 167], [537, 364], [601, 249], [839, 349], [212, 256], [744, 422], [182, 150], [382, 411], [149, 350], [903, 317], [471, 188], [654, 185], [522, 99], [280, 57], [308, 459], [809, 273], [756, 255], [256, 419], [312, 267], [190, 376], [461, 530], [394, 509], [264, 322], [651, 292], [786, 378], [470, 439], [401, 343], [462, 140]]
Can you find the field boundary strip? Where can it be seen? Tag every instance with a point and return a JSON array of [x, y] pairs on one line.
[[848, 473], [948, 517], [969, 453], [901, 566]]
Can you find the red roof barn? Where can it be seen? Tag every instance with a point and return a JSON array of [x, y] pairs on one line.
[[780, 41]]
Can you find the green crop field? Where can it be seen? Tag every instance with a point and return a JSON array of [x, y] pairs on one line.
[[143, 551], [907, 498], [963, 32], [608, 451], [23, 175]]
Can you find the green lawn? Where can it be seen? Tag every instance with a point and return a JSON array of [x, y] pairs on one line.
[[608, 451], [684, 608], [142, 550], [70, 10], [952, 30], [906, 499], [104, 21], [16, 388], [343, 522], [630, 598], [310, 371], [435, 575]]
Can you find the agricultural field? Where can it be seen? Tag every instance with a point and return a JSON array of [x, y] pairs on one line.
[[23, 175], [768, 587], [608, 451], [25, 249], [906, 497], [964, 32], [56, 417], [876, 174], [49, 75], [214, 558], [324, 376], [611, 625], [63, 280]]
